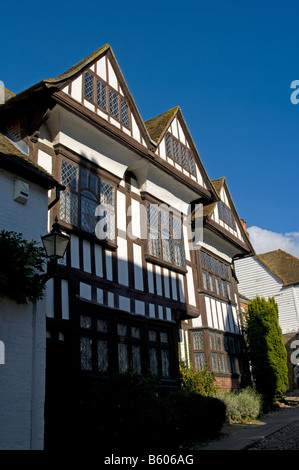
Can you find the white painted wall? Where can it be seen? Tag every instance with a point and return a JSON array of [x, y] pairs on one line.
[[256, 280], [23, 331]]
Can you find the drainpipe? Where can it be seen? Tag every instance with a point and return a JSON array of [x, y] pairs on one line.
[[59, 188]]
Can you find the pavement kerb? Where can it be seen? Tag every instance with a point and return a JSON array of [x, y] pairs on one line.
[[242, 437]]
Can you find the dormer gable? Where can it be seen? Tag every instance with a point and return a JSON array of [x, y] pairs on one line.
[[98, 84], [176, 147], [223, 214]]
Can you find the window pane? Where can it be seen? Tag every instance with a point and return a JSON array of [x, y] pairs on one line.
[[176, 153], [94, 183], [167, 247], [123, 362], [228, 364], [191, 163], [229, 290], [101, 95], [153, 215], [177, 229], [153, 360], [102, 325], [221, 363], [210, 267], [88, 86], [205, 280], [88, 209], [165, 363], [152, 335], [121, 329], [218, 285], [163, 337], [83, 178], [214, 362], [179, 254], [154, 243], [69, 208], [203, 260], [221, 269], [199, 361], [198, 342], [107, 192], [124, 113], [168, 145], [103, 356], [212, 341], [223, 288], [136, 359], [226, 272], [86, 353], [211, 283], [85, 321], [184, 157], [113, 104], [69, 175], [219, 341], [216, 266], [135, 332]]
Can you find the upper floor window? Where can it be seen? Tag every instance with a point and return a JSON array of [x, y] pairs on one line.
[[216, 275], [84, 192], [225, 214], [106, 98], [165, 235], [179, 153]]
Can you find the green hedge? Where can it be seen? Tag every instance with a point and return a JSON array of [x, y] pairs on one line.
[[127, 412], [241, 406]]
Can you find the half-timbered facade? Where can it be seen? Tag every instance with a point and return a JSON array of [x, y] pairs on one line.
[[215, 336], [131, 275]]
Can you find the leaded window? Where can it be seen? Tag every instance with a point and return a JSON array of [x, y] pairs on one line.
[[198, 341], [226, 215], [199, 359], [179, 153], [216, 276], [165, 235], [105, 98], [80, 202]]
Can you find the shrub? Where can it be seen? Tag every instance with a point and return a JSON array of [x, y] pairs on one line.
[[198, 381], [243, 405], [21, 262], [128, 412]]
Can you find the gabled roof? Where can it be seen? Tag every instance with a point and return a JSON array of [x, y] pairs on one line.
[[158, 126], [218, 184], [282, 265], [14, 160]]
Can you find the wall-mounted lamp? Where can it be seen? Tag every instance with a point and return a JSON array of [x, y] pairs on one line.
[[55, 244]]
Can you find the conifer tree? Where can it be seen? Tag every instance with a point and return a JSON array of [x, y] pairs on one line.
[[267, 351]]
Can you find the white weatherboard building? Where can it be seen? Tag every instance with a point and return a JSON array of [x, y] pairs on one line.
[[22, 327], [131, 293]]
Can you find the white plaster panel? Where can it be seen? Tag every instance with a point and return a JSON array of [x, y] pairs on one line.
[[65, 312]]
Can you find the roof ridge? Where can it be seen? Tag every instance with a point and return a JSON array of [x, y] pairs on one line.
[[157, 125]]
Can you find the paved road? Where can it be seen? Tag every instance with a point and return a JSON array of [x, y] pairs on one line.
[[285, 423]]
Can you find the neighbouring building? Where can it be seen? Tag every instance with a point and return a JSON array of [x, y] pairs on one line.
[[275, 274], [24, 190], [133, 291]]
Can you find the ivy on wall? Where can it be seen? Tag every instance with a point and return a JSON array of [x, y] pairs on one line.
[[21, 265]]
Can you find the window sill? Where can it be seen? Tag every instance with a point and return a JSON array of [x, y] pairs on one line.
[[165, 264], [219, 297], [71, 230]]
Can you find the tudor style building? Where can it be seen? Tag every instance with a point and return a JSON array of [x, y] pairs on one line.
[[132, 292]]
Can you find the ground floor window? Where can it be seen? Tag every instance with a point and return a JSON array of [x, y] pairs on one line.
[[221, 350], [112, 344]]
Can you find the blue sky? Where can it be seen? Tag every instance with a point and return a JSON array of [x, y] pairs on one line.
[[229, 65]]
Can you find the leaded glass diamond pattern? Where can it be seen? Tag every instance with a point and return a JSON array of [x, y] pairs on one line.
[[69, 208], [69, 175], [179, 254], [123, 359], [165, 363], [107, 191], [101, 95], [86, 353], [177, 229], [198, 342], [102, 356], [176, 151], [113, 104], [184, 157], [124, 110], [153, 357], [168, 145], [191, 163], [136, 359], [88, 86], [199, 361]]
